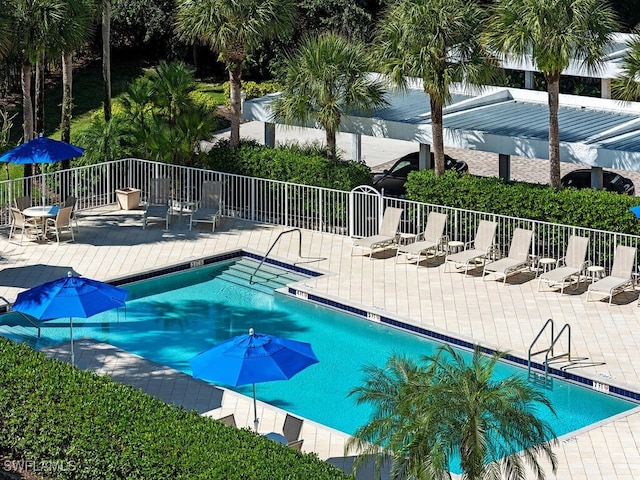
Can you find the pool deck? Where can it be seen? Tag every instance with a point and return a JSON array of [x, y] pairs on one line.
[[112, 243]]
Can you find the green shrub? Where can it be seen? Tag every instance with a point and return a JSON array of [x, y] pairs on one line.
[[95, 429], [254, 89], [588, 208], [292, 163]]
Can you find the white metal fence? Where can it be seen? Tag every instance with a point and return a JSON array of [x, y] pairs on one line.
[[354, 213]]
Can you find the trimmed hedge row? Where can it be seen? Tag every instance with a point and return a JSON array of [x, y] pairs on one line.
[[586, 207], [292, 163], [83, 426]]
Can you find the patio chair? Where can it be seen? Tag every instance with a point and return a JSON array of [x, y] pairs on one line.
[[208, 209], [432, 240], [516, 260], [297, 445], [71, 201], [229, 420], [571, 266], [157, 202], [476, 251], [26, 225], [620, 277], [387, 235], [62, 221], [22, 202], [292, 428]]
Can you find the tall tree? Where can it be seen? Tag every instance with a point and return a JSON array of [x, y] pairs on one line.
[[427, 413], [438, 41], [74, 33], [106, 59], [233, 28], [33, 26], [323, 81], [627, 85], [553, 33]]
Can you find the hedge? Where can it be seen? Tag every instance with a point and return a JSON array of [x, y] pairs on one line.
[[85, 426], [588, 208], [307, 166]]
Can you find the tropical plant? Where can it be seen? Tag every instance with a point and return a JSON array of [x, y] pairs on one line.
[[75, 30], [162, 116], [33, 27], [627, 85], [233, 29], [429, 413], [439, 42], [323, 81], [553, 33]]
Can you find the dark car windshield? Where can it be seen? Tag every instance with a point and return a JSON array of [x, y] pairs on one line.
[[401, 169]]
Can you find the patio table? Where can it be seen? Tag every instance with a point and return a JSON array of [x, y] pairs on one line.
[[42, 213]]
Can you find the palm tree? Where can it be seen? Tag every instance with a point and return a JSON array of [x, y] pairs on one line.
[[75, 30], [5, 28], [33, 28], [627, 85], [233, 29], [426, 414], [323, 81], [553, 33], [438, 41]]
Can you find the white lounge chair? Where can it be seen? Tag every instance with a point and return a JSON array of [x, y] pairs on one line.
[[516, 260], [621, 274], [474, 252], [208, 209], [157, 202], [432, 240], [571, 266], [387, 235]]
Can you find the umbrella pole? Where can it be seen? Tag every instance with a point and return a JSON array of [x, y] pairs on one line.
[[255, 409], [73, 362]]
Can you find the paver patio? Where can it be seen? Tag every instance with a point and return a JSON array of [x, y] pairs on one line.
[[112, 243]]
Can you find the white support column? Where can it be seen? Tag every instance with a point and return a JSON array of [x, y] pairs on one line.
[[605, 88], [528, 80], [424, 156], [356, 147], [596, 178], [270, 134], [504, 166]]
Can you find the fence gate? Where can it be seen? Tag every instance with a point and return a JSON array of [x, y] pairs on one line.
[[365, 211]]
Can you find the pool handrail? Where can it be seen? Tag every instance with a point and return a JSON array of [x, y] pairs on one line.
[[273, 245]]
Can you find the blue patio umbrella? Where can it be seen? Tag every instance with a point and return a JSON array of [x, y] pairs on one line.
[[41, 150], [253, 358], [69, 297], [635, 210]]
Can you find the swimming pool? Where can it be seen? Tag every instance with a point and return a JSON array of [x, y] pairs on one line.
[[172, 318]]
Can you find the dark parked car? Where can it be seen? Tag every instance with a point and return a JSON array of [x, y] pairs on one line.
[[393, 180], [611, 181]]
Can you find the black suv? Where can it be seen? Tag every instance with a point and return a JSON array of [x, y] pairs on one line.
[[611, 181], [392, 181]]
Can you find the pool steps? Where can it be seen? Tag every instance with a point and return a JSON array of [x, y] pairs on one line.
[[267, 279]]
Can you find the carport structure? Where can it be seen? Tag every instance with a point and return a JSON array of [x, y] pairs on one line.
[[595, 132]]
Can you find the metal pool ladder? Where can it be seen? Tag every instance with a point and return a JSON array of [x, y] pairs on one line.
[[273, 245], [545, 379]]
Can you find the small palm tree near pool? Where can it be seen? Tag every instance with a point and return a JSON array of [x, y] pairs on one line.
[[431, 413], [323, 81]]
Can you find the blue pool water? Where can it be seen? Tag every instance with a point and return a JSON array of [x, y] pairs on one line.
[[173, 318]]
